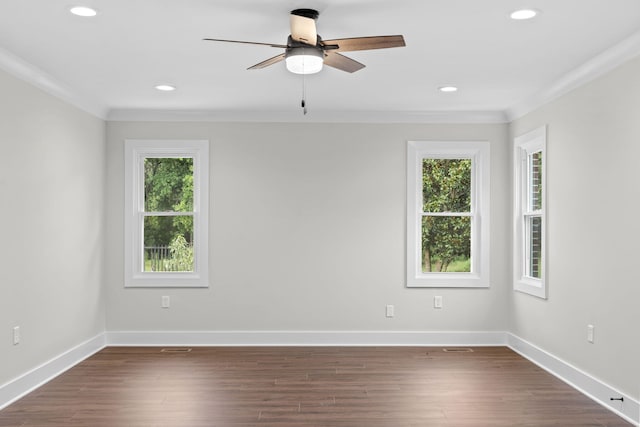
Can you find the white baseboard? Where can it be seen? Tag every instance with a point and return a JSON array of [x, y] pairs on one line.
[[24, 384], [305, 338], [629, 409]]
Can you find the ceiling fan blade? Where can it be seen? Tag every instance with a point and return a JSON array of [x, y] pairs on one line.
[[283, 46], [341, 62], [364, 43], [303, 29], [267, 62]]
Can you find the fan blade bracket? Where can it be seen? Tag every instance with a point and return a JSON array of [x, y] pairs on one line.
[[329, 46]]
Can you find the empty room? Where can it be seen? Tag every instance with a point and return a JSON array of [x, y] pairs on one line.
[[322, 213]]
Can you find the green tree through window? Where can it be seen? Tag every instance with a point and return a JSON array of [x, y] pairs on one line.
[[168, 221], [446, 218]]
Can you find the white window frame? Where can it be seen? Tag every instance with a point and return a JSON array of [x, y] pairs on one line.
[[135, 153], [479, 153], [525, 145]]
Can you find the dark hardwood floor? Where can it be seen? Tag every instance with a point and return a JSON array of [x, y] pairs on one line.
[[306, 386]]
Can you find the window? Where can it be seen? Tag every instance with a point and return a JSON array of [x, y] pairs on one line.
[[530, 205], [448, 214], [166, 213]]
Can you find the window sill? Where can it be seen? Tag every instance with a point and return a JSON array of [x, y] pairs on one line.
[[447, 280], [531, 286]]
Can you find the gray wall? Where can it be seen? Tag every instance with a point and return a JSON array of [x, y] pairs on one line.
[[52, 179], [307, 232], [593, 203]]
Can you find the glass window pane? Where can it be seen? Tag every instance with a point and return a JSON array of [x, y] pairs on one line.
[[168, 243], [535, 181], [446, 244], [168, 184], [446, 185], [534, 259]]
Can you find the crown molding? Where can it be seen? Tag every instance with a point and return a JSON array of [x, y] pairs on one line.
[[295, 116], [33, 75], [597, 66]]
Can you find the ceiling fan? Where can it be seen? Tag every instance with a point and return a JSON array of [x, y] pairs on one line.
[[306, 52]]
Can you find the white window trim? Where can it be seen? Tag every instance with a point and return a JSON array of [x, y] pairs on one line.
[[526, 144], [135, 152], [479, 153]]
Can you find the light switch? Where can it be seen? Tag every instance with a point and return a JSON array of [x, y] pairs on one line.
[[437, 301]]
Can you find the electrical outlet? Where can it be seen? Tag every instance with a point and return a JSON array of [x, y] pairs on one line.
[[166, 302], [437, 301], [16, 335], [590, 333], [390, 310]]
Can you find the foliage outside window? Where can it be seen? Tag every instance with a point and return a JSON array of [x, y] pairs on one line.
[[446, 225], [447, 214], [529, 222], [166, 213]]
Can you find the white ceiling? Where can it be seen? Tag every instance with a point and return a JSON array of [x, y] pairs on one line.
[[110, 64]]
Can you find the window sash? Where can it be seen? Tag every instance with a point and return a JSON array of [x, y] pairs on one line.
[[529, 251], [435, 259], [467, 214], [534, 202]]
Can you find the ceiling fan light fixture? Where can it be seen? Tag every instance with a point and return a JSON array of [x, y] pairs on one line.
[[524, 14], [302, 60], [165, 88], [83, 11]]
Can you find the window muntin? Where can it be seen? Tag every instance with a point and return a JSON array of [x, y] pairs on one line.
[[166, 213], [447, 214], [529, 229]]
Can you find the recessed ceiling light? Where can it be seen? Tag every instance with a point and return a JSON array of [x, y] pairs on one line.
[[448, 89], [83, 11], [523, 14], [165, 88]]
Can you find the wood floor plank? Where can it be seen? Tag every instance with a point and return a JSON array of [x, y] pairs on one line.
[[306, 386]]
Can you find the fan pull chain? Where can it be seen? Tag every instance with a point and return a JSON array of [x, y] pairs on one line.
[[303, 104]]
